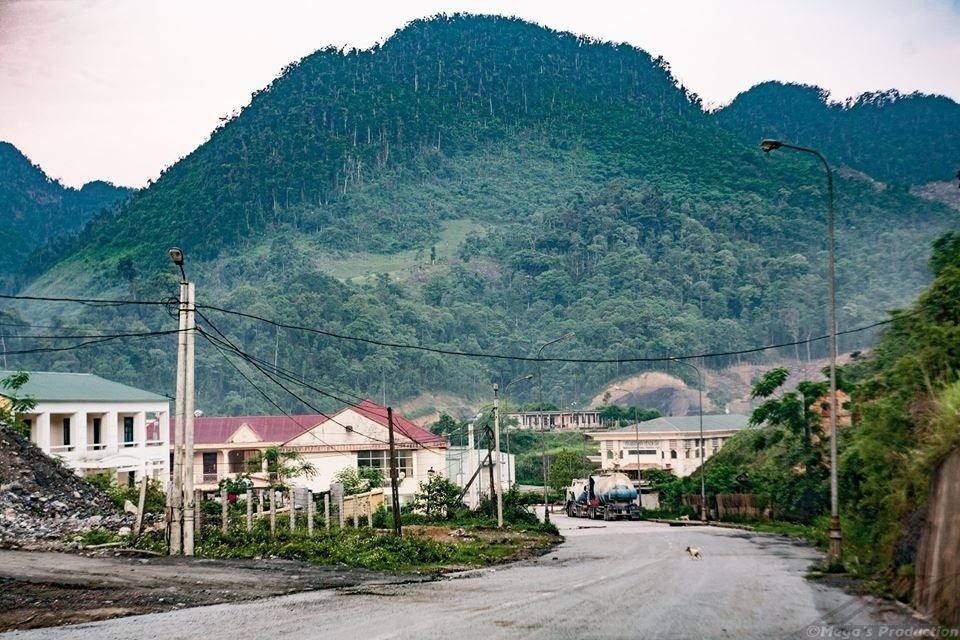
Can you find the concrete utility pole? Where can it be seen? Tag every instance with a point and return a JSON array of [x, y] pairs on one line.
[[180, 501], [394, 477], [498, 482]]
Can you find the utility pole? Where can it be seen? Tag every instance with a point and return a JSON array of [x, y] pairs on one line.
[[498, 487], [394, 477], [490, 459], [180, 502]]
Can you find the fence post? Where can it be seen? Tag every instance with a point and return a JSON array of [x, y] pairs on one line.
[[249, 510], [311, 512], [369, 513], [293, 510], [224, 505], [273, 513], [326, 511], [197, 512], [340, 509]]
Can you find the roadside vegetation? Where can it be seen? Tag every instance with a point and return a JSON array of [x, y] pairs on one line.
[[438, 534], [905, 403]]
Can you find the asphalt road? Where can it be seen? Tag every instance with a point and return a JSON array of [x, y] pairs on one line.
[[607, 580]]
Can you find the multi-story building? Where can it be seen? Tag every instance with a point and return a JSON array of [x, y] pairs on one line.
[[97, 426], [668, 443], [357, 436], [548, 420]]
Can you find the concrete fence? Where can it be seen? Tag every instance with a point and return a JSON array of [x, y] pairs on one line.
[[299, 503]]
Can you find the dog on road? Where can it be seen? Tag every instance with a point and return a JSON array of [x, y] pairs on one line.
[[694, 553]]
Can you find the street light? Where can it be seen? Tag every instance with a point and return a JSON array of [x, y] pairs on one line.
[[180, 502], [496, 444], [835, 536], [543, 438], [703, 449]]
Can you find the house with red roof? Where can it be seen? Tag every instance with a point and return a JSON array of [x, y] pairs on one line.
[[357, 436], [222, 445]]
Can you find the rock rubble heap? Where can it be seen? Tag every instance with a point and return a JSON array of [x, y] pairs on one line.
[[42, 501]]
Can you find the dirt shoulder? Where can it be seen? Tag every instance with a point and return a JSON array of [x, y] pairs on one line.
[[45, 589]]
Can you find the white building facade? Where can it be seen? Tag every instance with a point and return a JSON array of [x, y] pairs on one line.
[[356, 437], [96, 426], [668, 443]]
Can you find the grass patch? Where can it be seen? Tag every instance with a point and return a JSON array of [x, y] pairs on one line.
[[430, 549], [364, 266]]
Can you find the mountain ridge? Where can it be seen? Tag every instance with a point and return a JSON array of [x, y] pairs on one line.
[[615, 208]]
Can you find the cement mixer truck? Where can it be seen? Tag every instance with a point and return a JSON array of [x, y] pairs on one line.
[[609, 496]]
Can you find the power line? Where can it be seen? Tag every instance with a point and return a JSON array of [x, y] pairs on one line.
[[470, 354], [89, 343], [262, 367]]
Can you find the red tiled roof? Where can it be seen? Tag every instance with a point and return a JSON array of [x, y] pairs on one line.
[[278, 429], [378, 414]]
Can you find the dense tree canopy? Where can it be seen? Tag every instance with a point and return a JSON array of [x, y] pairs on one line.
[[423, 216]]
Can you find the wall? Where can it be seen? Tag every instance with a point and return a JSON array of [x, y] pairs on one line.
[[937, 586]]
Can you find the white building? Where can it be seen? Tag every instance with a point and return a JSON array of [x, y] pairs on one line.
[[469, 465], [549, 420], [668, 443], [357, 436], [97, 426]]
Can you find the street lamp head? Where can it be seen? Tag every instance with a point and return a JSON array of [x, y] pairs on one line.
[[769, 145], [177, 256], [569, 335]]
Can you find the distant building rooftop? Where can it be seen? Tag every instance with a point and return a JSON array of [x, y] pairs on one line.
[[717, 422], [48, 386]]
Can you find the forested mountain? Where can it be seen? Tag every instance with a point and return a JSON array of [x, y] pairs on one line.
[[34, 210], [898, 139], [476, 186]]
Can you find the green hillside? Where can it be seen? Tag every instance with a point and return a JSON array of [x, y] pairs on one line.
[[36, 210], [422, 216]]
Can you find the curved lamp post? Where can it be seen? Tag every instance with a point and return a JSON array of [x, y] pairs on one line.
[[835, 536], [703, 448], [543, 437], [496, 444]]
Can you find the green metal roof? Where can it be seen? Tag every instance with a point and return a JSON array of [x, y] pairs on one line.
[[46, 386], [716, 422]]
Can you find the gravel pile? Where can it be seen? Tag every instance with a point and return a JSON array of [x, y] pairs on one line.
[[42, 501]]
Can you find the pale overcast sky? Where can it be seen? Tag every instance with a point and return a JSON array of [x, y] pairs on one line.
[[120, 89]]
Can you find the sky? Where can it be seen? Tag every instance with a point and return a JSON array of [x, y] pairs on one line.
[[119, 90]]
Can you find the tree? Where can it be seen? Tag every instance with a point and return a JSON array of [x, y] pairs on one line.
[[791, 409], [438, 497], [12, 405], [567, 465], [358, 480], [281, 465]]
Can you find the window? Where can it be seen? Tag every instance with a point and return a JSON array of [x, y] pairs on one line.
[[237, 460], [209, 466], [128, 431], [380, 459], [66, 432], [642, 452], [96, 433]]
